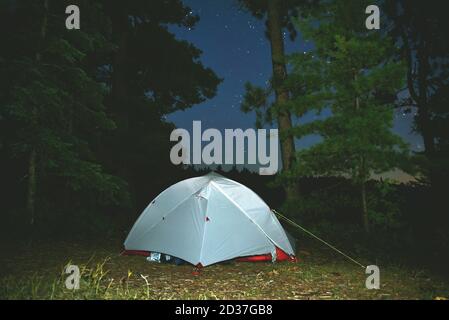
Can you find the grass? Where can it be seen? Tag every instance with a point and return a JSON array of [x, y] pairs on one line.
[[38, 273]]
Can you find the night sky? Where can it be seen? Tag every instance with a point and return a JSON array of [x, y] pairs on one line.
[[235, 47]]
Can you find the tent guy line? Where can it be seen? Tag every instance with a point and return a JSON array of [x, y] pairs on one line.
[[316, 237]]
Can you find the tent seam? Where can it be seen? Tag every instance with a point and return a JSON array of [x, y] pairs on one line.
[[175, 207], [243, 211], [260, 198], [149, 206], [204, 231]]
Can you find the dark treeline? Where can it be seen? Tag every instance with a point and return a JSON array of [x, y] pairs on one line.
[[83, 136], [84, 144]]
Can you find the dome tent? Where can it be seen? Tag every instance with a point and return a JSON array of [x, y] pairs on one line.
[[208, 219]]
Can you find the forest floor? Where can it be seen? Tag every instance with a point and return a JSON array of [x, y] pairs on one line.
[[37, 272]]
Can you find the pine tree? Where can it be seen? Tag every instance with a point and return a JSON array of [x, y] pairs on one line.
[[420, 29], [359, 83], [149, 74], [278, 16], [52, 107]]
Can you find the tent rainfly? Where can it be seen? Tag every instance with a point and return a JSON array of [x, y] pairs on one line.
[[209, 219]]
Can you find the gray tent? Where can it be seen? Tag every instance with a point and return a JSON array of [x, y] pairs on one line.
[[206, 220]]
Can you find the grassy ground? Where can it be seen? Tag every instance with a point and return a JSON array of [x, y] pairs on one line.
[[38, 273]]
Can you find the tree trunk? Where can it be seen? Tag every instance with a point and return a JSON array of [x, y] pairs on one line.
[[32, 162], [420, 95], [282, 95], [362, 174], [119, 86], [31, 196], [423, 105], [119, 97], [365, 221]]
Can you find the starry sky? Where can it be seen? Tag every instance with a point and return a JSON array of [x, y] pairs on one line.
[[235, 47]]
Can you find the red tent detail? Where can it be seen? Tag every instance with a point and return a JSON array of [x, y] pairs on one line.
[[280, 256]]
